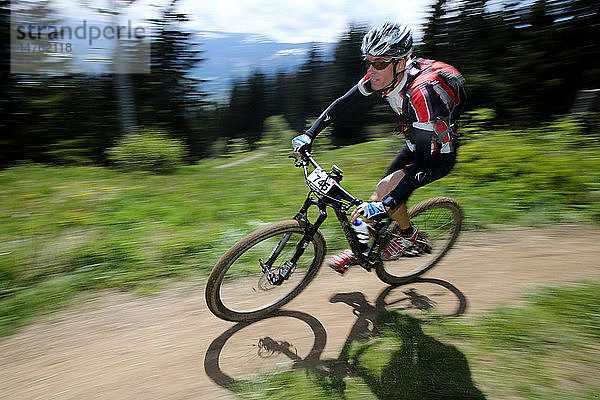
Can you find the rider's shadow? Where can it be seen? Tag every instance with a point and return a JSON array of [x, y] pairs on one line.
[[416, 367]]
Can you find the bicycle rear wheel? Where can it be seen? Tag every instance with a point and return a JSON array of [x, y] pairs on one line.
[[238, 290], [439, 221]]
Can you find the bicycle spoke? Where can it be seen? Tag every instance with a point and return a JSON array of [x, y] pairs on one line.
[[437, 223]]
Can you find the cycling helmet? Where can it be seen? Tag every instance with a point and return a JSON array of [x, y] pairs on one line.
[[390, 39]]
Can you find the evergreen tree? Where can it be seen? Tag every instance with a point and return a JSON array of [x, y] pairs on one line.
[[577, 42], [45, 117], [435, 36], [311, 84], [169, 97], [278, 94], [347, 69], [239, 103], [256, 108]]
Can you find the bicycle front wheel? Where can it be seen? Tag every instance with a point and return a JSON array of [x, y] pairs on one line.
[[238, 290], [439, 221]]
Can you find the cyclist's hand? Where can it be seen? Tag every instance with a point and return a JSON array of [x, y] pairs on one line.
[[370, 210], [301, 144]]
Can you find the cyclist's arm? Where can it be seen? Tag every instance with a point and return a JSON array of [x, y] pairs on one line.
[[338, 106]]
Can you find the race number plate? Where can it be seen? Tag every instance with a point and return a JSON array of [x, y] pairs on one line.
[[319, 179]]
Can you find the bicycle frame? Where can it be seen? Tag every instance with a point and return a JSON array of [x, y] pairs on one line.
[[440, 218], [341, 201]]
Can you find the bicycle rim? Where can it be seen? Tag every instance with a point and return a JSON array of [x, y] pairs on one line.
[[238, 290], [439, 222]]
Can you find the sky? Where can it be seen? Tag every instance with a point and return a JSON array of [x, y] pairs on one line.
[[289, 21], [296, 21]]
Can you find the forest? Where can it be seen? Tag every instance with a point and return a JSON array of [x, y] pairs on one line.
[[525, 60]]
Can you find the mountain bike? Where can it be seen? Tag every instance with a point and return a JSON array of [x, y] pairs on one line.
[[269, 267]]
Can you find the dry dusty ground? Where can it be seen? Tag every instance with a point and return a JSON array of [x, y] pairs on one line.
[[169, 346]]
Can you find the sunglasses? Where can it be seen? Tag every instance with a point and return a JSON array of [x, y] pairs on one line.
[[378, 65]]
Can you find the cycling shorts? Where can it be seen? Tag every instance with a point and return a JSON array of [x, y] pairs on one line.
[[440, 165]]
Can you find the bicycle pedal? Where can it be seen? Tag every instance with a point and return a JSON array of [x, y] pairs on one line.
[[411, 253], [417, 249]]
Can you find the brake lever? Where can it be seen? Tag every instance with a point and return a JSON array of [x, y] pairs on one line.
[[298, 163]]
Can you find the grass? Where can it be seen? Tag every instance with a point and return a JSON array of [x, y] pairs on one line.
[[547, 349], [65, 230]]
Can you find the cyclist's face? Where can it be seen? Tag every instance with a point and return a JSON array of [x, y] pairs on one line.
[[380, 78]]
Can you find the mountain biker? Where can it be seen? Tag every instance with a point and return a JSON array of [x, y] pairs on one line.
[[426, 116]]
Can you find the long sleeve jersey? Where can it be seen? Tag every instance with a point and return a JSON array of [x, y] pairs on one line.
[[422, 116]]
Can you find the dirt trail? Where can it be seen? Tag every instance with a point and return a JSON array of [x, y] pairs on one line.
[[241, 161], [169, 346]]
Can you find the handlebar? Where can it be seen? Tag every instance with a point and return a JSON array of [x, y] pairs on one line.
[[336, 174], [308, 156], [305, 159]]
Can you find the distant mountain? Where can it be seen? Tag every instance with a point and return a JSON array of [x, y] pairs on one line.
[[231, 56], [227, 56]]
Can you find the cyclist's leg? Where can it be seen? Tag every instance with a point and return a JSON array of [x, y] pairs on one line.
[[440, 166], [408, 234], [393, 175], [384, 187]]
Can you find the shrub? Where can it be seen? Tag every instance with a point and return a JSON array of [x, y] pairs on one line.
[[237, 146], [148, 150], [277, 133]]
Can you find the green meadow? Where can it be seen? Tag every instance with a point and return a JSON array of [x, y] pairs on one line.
[[67, 230]]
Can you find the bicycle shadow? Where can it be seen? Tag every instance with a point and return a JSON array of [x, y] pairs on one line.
[[414, 298], [265, 346], [419, 367]]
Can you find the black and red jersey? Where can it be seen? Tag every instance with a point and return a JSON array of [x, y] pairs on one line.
[[427, 96], [422, 100]]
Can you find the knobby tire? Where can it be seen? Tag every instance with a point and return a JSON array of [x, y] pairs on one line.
[[272, 231]]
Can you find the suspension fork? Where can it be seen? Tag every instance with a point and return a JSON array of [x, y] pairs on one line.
[[309, 229], [277, 277]]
